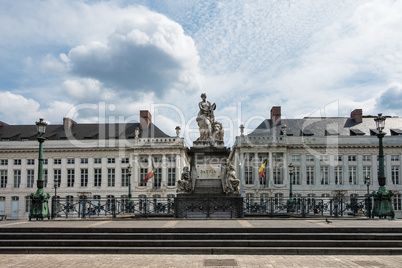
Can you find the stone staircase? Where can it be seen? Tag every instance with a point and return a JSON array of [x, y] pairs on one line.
[[364, 241]]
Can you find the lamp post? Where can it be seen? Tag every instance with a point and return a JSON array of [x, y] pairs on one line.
[[368, 199], [291, 202], [382, 198], [129, 204], [40, 208]]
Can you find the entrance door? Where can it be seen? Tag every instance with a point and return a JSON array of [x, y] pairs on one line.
[[2, 205], [14, 207]]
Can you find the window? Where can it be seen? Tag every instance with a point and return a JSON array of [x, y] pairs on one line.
[[110, 202], [84, 160], [278, 199], [324, 176], [97, 160], [295, 158], [277, 157], [309, 158], [158, 159], [338, 175], [27, 203], [171, 177], [57, 176], [3, 178], [398, 202], [367, 172], [45, 161], [394, 157], [351, 158], [143, 173], [248, 175], [352, 175], [296, 176], [97, 177], [111, 181], [30, 161], [70, 200], [124, 177], [17, 178], [157, 179], [125, 160], [324, 158], [30, 178], [338, 158], [70, 177], [366, 158], [17, 162], [3, 162], [143, 159], [84, 177], [70, 161], [309, 175], [111, 160], [171, 159], [278, 179], [57, 161], [45, 178], [395, 175]]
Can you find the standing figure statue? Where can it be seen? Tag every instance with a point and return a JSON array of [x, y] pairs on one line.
[[206, 118], [211, 131], [184, 184]]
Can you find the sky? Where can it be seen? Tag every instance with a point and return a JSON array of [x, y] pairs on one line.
[[104, 61]]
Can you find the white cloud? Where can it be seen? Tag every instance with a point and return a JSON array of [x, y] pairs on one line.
[[18, 108], [146, 53]]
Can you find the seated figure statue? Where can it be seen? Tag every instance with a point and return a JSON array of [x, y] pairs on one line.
[[184, 184], [232, 183]]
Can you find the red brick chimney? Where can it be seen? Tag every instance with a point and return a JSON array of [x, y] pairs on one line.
[[67, 123], [145, 119], [357, 115], [276, 115]]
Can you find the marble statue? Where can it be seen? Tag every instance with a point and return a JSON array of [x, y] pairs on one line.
[[184, 184], [232, 183], [211, 131]]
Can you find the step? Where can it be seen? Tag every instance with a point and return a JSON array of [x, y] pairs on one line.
[[203, 250]]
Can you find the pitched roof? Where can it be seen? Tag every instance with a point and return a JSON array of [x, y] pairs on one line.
[[80, 132], [315, 126]]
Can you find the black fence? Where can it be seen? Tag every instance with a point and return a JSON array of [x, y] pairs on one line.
[[209, 208]]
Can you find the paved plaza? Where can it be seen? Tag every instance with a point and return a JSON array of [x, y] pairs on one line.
[[172, 260]]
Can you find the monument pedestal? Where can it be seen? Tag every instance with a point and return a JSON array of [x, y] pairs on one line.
[[208, 198]]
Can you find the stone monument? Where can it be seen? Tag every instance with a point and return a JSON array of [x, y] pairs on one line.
[[209, 187]]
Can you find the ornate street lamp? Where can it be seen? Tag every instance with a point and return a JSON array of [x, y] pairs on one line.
[[39, 208], [382, 198], [291, 202], [130, 202]]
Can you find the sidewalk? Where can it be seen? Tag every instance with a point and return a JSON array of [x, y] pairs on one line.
[[211, 223]]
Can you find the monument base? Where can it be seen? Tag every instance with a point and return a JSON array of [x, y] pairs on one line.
[[208, 206]]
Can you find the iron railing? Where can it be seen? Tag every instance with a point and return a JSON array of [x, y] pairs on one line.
[[210, 207]]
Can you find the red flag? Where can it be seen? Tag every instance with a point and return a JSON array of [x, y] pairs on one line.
[[149, 175]]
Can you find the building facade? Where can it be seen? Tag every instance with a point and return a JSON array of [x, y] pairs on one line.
[[331, 157], [88, 160]]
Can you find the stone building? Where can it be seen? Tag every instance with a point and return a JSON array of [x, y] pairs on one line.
[[88, 160], [331, 156]]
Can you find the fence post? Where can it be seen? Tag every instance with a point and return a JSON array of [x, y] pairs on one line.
[[114, 207], [271, 206], [208, 204], [303, 207]]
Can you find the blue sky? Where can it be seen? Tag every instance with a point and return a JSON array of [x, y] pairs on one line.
[[106, 60]]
